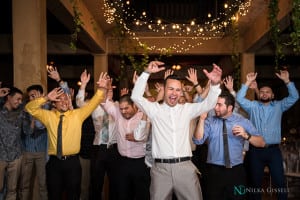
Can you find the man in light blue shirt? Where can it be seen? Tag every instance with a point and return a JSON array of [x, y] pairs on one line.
[[266, 115], [222, 178]]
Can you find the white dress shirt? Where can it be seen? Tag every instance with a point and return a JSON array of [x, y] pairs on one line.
[[97, 116], [171, 125]]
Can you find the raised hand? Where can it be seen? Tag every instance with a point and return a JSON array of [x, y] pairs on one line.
[[53, 73], [55, 94], [153, 67], [228, 82], [192, 76], [85, 77], [103, 80], [284, 75], [124, 91], [4, 92], [215, 75], [158, 86], [168, 72], [250, 77]]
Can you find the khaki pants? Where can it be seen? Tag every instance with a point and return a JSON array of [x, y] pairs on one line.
[[180, 178], [33, 161], [12, 170]]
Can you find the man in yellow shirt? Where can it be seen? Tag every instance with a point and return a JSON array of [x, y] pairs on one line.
[[63, 170]]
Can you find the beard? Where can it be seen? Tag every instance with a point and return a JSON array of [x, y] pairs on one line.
[[266, 100]]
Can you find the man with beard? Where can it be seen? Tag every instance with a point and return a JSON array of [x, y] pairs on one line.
[[223, 176], [173, 170], [132, 172], [266, 116]]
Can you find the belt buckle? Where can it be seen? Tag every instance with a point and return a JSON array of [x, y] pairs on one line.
[[64, 158]]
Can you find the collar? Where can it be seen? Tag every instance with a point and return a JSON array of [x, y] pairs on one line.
[[261, 104]]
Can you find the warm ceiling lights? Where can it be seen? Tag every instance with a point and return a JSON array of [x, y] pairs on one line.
[[176, 67], [189, 34]]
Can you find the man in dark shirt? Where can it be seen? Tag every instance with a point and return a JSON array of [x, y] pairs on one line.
[[11, 114]]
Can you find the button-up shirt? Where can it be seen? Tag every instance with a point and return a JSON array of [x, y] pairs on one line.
[[34, 139], [267, 118], [171, 125], [10, 133], [98, 116], [125, 126], [213, 135], [71, 126]]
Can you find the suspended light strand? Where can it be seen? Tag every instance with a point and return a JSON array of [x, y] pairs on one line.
[[194, 34]]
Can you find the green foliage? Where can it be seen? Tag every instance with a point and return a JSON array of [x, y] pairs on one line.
[[275, 31], [78, 23], [295, 34]]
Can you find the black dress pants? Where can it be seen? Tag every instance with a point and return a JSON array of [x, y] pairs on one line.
[[63, 178], [104, 160], [134, 179]]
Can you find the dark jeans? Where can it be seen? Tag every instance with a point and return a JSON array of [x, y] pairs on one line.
[[103, 161], [225, 183], [63, 178], [257, 159]]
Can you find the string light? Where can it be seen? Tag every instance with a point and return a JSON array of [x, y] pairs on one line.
[[189, 34], [176, 67]]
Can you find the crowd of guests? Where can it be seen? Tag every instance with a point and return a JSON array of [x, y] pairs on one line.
[[183, 141]]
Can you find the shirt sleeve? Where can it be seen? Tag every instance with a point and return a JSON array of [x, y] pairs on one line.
[[291, 99], [196, 109], [242, 100], [137, 95], [35, 109], [142, 131], [111, 108], [80, 98], [90, 106]]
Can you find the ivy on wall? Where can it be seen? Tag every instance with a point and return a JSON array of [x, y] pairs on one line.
[[275, 32], [295, 22], [78, 23]]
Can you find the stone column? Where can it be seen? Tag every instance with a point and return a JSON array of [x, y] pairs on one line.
[[247, 65], [29, 43]]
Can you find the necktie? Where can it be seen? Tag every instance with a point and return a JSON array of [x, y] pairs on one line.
[[105, 134], [225, 144], [59, 137]]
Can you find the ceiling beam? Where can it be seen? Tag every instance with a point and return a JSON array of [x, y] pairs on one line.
[[92, 35], [257, 33]]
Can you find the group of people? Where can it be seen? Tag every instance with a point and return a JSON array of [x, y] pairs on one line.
[[144, 145]]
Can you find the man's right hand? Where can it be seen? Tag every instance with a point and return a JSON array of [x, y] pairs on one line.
[[153, 67]]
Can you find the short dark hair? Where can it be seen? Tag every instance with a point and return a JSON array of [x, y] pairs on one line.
[[35, 87], [229, 99], [172, 76], [14, 90], [126, 98]]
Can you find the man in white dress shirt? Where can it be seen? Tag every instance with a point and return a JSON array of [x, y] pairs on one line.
[[173, 170]]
